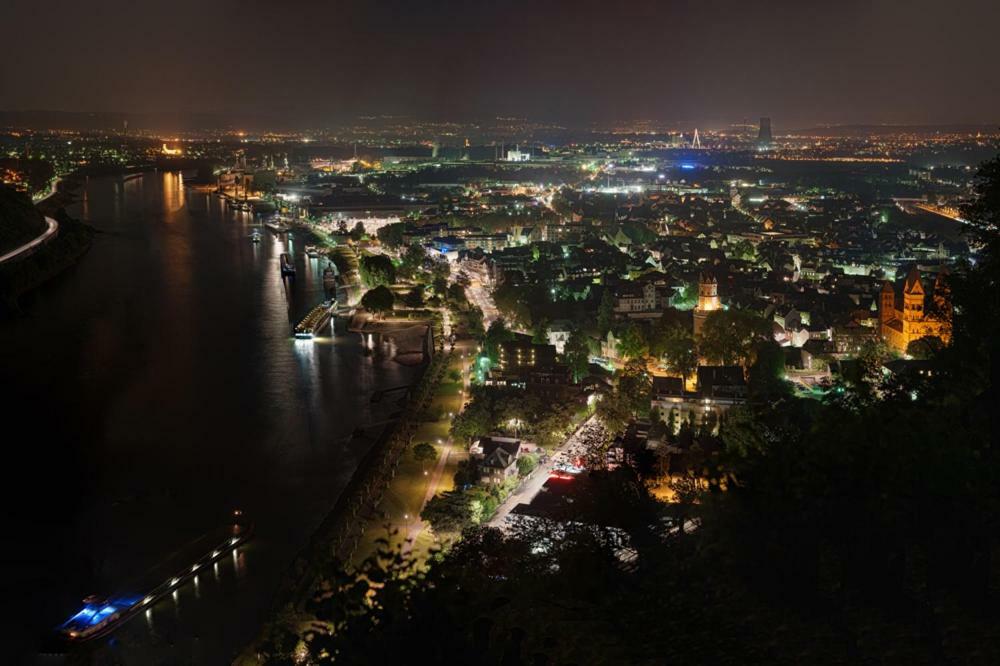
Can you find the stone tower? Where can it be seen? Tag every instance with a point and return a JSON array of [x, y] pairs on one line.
[[708, 300], [887, 303]]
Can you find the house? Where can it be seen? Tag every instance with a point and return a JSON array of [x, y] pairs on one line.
[[558, 334], [718, 389], [497, 458]]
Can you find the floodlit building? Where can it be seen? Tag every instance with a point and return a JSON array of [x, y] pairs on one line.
[[708, 300], [922, 314]]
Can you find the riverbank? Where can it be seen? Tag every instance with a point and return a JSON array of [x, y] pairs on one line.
[[19, 277], [341, 533], [415, 482]]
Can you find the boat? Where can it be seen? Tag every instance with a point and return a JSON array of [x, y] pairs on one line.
[[314, 322], [287, 267], [102, 615], [313, 251], [255, 236], [276, 226], [330, 277]]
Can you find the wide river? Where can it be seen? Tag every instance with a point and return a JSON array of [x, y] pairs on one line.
[[152, 389]]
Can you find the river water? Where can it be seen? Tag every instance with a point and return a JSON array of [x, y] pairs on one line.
[[152, 389]]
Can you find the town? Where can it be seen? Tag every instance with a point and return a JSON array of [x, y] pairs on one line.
[[592, 314]]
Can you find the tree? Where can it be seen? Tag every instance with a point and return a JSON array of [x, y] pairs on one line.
[[377, 270], [767, 374], [378, 300], [514, 302], [413, 258], [526, 464], [440, 286], [576, 354], [456, 295], [606, 312], [414, 298], [677, 349], [632, 343], [391, 235], [358, 232], [634, 386], [473, 319], [541, 332], [424, 453], [496, 334], [613, 412], [730, 337], [449, 512], [924, 348]]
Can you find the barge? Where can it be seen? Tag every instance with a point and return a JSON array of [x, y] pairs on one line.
[[101, 616]]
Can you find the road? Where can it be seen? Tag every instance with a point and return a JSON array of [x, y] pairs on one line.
[[481, 298], [526, 493], [52, 228], [53, 187]]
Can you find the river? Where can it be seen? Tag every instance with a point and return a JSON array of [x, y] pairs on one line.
[[152, 389]]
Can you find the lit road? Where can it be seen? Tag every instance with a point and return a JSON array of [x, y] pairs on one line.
[[52, 228], [482, 299], [526, 493], [53, 186]]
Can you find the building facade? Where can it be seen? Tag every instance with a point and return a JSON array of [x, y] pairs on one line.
[[918, 314]]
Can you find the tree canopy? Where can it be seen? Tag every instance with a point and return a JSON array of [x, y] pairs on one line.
[[377, 270], [378, 300]]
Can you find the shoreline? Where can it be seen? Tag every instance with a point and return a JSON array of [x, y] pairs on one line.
[[339, 533], [72, 241]]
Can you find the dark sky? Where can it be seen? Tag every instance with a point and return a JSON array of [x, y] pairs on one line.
[[801, 62]]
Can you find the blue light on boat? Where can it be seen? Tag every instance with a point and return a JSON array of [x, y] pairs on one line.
[[84, 615], [687, 166]]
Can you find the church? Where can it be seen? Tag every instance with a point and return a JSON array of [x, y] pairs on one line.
[[922, 314]]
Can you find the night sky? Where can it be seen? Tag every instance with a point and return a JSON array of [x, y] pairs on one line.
[[706, 61]]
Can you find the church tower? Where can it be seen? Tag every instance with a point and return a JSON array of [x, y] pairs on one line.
[[708, 300], [887, 304], [913, 297]]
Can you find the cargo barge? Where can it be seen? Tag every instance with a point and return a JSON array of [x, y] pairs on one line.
[[101, 616]]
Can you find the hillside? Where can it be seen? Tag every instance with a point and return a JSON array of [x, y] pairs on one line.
[[19, 221]]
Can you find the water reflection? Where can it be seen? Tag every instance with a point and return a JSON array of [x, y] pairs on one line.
[[180, 395]]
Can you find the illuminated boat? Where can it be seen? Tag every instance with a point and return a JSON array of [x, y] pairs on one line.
[[314, 322], [276, 226], [287, 267], [255, 236], [101, 616]]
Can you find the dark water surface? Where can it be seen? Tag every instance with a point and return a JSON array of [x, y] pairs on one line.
[[148, 392]]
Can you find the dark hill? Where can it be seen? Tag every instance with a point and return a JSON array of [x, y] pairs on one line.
[[19, 221]]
